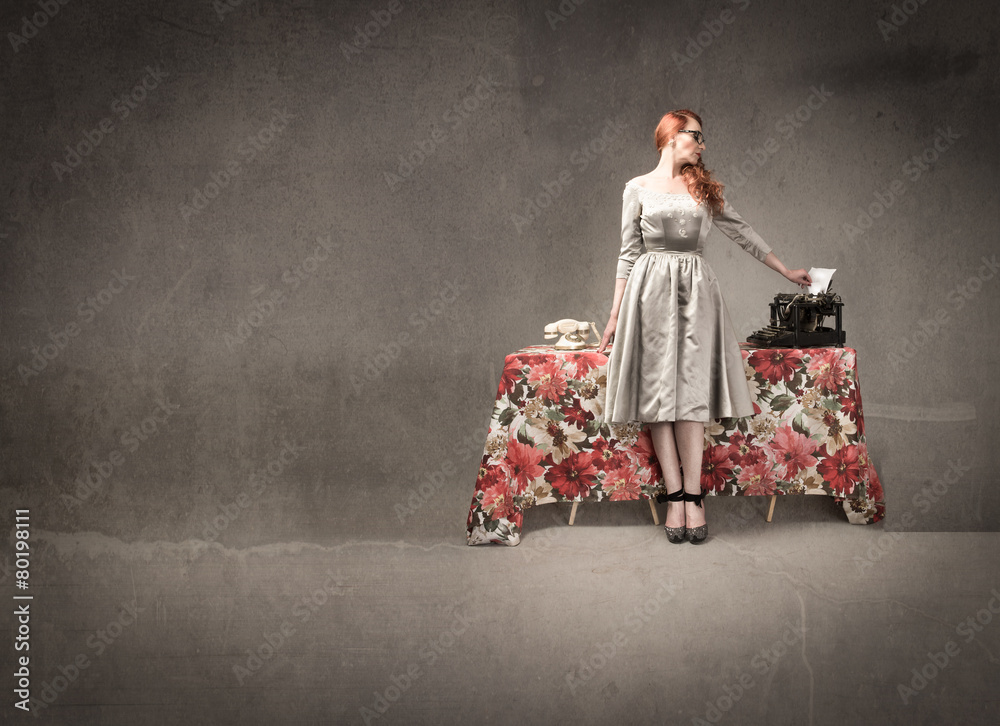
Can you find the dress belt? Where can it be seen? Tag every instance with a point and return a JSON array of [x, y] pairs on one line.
[[672, 252]]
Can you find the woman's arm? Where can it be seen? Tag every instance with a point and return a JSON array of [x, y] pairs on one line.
[[620, 283], [737, 229], [632, 246], [799, 277], [609, 330]]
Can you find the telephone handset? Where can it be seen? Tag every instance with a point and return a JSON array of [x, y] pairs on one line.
[[575, 334]]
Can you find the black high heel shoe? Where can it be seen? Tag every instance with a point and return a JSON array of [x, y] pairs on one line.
[[675, 534], [699, 534]]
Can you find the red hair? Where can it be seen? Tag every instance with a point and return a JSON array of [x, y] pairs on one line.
[[700, 182]]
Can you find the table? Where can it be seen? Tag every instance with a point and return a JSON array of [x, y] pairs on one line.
[[547, 440]]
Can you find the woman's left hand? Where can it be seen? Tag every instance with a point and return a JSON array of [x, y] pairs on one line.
[[799, 277]]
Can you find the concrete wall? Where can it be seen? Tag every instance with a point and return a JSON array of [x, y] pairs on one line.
[[262, 262], [253, 238]]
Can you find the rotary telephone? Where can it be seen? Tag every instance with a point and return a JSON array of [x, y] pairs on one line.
[[575, 334]]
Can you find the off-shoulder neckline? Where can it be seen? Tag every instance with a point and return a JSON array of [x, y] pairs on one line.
[[661, 194]]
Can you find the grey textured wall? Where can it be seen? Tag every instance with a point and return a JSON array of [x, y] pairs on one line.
[[327, 242], [261, 266]]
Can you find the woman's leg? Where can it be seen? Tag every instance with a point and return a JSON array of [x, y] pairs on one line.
[[662, 433], [690, 437]]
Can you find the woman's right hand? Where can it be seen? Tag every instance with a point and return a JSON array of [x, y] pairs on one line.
[[799, 277], [609, 334]]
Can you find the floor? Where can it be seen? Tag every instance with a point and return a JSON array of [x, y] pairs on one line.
[[805, 620]]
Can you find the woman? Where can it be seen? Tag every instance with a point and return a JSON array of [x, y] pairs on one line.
[[675, 362]]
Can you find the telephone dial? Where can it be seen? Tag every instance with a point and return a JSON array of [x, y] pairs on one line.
[[575, 334]]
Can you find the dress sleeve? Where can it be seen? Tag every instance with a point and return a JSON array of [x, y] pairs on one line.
[[737, 229], [632, 242]]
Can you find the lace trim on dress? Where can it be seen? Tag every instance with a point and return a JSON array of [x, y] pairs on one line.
[[662, 194]]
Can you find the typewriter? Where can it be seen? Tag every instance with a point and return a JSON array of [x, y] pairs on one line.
[[795, 322]]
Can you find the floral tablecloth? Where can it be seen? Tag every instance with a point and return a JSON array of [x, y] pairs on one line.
[[548, 442]]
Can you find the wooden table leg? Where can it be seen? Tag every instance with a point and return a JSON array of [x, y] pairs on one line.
[[771, 510], [572, 513], [652, 508]]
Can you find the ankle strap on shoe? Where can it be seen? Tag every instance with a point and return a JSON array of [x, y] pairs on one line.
[[696, 498], [677, 496]]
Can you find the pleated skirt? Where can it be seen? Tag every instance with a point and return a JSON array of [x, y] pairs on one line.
[[675, 356]]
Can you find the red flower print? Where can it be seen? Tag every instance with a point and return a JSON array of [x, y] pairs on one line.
[[497, 501], [864, 463], [573, 476], [644, 452], [849, 405], [586, 362], [644, 456], [775, 364], [757, 479], [490, 474], [533, 359], [548, 380], [576, 415], [827, 369], [607, 456], [716, 469], [875, 492], [792, 451], [741, 450], [622, 484], [841, 469], [523, 463], [596, 459], [513, 371]]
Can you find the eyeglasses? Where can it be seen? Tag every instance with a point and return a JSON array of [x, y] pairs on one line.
[[699, 138]]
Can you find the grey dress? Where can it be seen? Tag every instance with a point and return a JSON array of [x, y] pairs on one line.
[[675, 355]]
